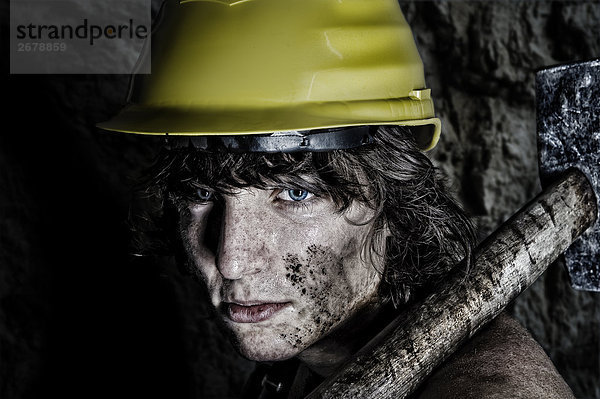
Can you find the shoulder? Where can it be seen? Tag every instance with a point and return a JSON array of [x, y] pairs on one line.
[[501, 361]]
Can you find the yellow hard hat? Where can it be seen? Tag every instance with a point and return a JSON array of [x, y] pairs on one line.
[[247, 67]]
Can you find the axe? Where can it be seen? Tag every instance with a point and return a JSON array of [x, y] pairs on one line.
[[562, 217]]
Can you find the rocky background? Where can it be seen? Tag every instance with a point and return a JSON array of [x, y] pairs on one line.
[[79, 318]]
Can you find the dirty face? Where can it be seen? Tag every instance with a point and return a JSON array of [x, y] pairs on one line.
[[282, 267]]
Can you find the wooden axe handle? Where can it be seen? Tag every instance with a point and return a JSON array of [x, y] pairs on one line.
[[397, 360]]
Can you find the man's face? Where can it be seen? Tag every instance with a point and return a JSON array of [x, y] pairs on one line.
[[286, 268]]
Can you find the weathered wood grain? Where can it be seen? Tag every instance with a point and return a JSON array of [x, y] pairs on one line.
[[395, 362]]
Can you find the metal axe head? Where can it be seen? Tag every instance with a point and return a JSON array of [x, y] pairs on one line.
[[568, 125]]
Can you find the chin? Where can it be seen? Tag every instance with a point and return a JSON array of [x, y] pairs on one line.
[[261, 348]]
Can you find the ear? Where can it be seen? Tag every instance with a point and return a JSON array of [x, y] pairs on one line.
[[359, 214], [375, 247], [386, 231]]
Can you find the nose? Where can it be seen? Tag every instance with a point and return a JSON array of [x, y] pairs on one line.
[[240, 247]]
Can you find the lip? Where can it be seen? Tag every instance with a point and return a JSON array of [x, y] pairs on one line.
[[252, 313]]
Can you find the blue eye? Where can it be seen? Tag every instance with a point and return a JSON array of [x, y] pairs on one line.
[[297, 195], [204, 194], [296, 200]]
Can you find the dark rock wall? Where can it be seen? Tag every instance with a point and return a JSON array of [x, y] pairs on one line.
[[480, 60], [78, 318]]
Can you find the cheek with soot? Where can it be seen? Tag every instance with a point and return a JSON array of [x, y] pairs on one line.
[[321, 281]]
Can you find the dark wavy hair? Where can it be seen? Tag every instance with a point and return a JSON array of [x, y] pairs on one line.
[[428, 233]]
